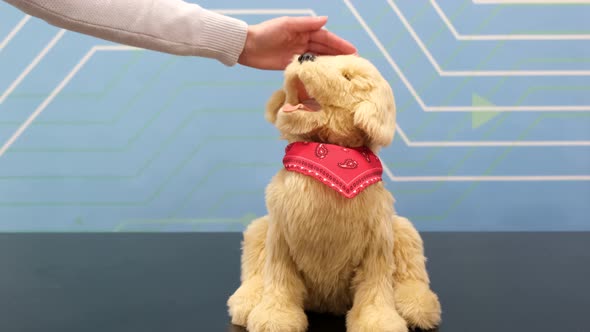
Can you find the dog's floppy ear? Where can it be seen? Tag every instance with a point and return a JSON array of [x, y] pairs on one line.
[[376, 118], [274, 104]]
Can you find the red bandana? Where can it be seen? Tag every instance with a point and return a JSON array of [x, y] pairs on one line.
[[346, 170]]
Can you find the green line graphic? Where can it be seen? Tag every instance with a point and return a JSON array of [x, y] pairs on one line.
[[216, 169], [524, 133], [433, 152], [435, 77], [109, 86], [133, 139], [153, 196], [396, 37], [126, 107], [244, 220], [229, 194], [164, 144]]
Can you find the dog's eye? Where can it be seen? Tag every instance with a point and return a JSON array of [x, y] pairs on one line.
[[347, 76]]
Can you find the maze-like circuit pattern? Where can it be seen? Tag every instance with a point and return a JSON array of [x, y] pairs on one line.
[[493, 120]]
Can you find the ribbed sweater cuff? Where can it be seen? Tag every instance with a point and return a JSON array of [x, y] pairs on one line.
[[222, 37]]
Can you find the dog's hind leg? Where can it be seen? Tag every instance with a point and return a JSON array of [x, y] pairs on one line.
[[249, 294], [414, 299]]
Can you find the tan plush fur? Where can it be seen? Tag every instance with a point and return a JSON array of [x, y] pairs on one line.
[[319, 251]]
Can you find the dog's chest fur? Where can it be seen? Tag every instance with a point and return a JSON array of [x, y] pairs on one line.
[[327, 234]]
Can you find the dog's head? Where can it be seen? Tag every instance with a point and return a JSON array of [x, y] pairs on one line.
[[339, 99]]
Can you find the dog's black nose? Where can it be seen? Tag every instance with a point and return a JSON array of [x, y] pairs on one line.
[[306, 57]]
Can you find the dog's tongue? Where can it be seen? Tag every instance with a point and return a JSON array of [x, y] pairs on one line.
[[291, 108], [310, 105]]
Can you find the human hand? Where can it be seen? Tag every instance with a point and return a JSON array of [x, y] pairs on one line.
[[273, 43]]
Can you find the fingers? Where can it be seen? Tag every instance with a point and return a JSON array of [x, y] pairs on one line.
[[330, 40], [321, 49], [305, 23], [313, 26]]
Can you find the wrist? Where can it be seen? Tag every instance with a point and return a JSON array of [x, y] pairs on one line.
[[249, 47]]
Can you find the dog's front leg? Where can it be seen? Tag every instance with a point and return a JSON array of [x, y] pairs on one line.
[[281, 308], [373, 308], [414, 299]]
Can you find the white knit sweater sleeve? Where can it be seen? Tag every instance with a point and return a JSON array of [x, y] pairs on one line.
[[170, 26]]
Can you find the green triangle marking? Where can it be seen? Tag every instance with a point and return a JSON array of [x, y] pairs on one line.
[[480, 118], [79, 221]]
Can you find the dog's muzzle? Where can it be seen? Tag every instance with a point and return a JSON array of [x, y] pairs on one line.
[[306, 57]]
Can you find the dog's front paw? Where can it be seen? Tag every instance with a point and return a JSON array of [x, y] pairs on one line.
[[417, 304], [372, 318], [269, 316], [244, 300]]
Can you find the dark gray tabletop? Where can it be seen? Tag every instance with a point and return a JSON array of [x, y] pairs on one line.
[[487, 282]]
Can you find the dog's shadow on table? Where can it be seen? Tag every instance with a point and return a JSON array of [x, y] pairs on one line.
[[320, 323], [317, 323]]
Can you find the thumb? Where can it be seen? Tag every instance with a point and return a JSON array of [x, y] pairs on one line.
[[306, 23]]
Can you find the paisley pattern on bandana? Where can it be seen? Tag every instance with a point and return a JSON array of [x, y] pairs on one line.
[[346, 170]]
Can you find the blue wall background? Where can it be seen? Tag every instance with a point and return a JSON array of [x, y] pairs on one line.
[[493, 133]]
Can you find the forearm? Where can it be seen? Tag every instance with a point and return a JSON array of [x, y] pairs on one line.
[[170, 26]]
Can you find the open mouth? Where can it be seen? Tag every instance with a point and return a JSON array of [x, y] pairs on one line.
[[306, 101]]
